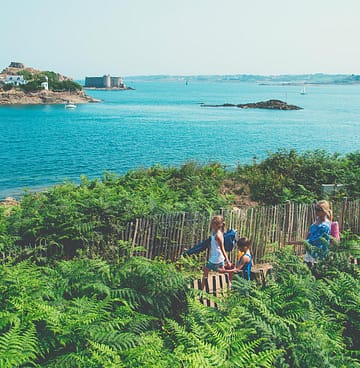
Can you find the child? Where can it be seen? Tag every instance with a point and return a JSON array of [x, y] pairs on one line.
[[245, 259], [217, 251], [320, 230]]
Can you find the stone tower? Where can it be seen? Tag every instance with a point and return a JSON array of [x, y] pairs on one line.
[[107, 81]]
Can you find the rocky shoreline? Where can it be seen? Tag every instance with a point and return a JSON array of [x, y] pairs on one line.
[[17, 97], [269, 104]]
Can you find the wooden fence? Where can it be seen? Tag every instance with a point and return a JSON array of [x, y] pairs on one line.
[[167, 235]]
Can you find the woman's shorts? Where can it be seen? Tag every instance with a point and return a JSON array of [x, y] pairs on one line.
[[214, 266]]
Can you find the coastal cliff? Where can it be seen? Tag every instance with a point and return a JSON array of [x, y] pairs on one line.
[[20, 85], [18, 97]]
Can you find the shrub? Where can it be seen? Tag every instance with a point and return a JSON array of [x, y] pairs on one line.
[[7, 87], [288, 175]]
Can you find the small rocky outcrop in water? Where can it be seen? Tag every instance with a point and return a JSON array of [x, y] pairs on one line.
[[270, 104]]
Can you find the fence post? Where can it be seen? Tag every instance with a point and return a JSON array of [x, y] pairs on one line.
[[135, 232]]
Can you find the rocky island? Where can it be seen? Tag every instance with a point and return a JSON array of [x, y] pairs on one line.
[[20, 85], [269, 104]]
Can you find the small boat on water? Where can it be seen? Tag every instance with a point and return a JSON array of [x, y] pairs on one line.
[[70, 106], [303, 91]]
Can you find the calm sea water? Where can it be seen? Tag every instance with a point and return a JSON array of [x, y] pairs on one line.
[[162, 122]]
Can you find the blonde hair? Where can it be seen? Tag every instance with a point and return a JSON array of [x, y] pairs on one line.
[[219, 221], [325, 207]]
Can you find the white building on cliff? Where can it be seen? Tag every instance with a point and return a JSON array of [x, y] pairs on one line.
[[16, 80]]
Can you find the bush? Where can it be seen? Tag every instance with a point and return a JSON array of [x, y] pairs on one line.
[[34, 83], [7, 87], [91, 216], [288, 175], [26, 74], [32, 86], [66, 85]]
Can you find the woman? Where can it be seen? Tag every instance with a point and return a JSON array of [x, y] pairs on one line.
[[319, 234], [217, 251]]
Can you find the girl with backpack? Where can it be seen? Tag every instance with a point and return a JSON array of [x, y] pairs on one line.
[[218, 256]]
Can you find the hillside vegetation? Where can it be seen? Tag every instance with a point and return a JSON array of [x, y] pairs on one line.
[[34, 78], [69, 300], [91, 215]]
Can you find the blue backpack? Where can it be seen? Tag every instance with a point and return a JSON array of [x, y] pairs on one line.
[[230, 240]]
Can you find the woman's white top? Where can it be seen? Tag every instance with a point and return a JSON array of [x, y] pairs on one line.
[[216, 255]]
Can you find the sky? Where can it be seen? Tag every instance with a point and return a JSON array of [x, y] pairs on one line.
[[182, 37]]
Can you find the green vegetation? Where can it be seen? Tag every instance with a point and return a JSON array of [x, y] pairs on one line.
[[35, 79], [56, 85], [60, 86], [7, 87], [72, 295], [289, 175], [26, 74], [140, 313], [91, 215]]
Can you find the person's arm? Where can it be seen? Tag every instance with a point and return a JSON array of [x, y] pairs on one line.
[[298, 242], [220, 240]]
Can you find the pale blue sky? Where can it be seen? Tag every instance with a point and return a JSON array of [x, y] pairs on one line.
[[137, 37]]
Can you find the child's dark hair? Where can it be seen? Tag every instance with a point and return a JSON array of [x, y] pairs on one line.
[[244, 243]]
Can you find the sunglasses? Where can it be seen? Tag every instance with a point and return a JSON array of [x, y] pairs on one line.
[[319, 209]]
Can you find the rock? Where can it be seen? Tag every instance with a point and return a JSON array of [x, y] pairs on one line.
[[18, 97], [17, 65], [9, 202], [270, 105]]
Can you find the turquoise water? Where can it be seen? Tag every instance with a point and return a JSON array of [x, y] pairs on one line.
[[162, 122]]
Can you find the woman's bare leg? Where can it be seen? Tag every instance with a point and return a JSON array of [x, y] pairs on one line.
[[205, 276]]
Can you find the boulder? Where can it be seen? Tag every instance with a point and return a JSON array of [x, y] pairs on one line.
[[9, 202]]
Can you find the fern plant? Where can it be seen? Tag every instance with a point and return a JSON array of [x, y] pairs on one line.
[[210, 338]]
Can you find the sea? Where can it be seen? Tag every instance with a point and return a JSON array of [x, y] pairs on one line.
[[163, 122]]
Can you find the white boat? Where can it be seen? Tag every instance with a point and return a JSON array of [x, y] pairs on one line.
[[70, 106], [303, 91]]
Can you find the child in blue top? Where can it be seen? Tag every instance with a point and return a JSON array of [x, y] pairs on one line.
[[245, 260], [319, 234]]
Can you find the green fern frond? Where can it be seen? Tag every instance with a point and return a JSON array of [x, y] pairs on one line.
[[18, 346]]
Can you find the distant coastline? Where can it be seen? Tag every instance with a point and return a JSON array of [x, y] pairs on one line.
[[286, 79]]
